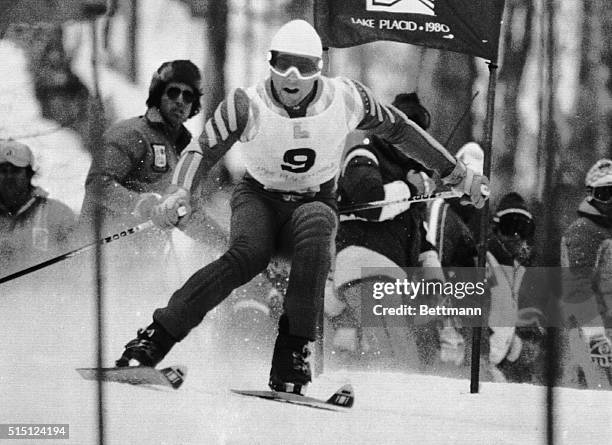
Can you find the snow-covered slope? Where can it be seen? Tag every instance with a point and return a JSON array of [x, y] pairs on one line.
[[48, 331]]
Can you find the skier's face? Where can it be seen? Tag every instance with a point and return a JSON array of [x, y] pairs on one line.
[[176, 102], [291, 90]]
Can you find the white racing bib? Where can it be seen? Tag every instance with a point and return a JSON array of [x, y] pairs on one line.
[[295, 154]]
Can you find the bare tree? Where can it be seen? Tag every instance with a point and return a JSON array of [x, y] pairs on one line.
[[214, 67]]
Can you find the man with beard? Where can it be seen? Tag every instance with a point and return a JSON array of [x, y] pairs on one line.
[[586, 260], [33, 227]]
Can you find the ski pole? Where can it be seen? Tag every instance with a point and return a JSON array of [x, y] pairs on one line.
[[417, 198], [108, 239], [85, 248], [452, 133]]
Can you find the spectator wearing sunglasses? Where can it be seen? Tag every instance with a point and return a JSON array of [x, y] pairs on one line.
[[137, 158], [292, 127], [586, 265], [518, 295]]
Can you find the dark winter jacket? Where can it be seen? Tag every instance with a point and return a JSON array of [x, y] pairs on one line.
[[579, 248], [138, 156], [396, 232], [447, 230]]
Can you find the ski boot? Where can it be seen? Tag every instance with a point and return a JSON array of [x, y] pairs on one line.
[[148, 349], [290, 371]]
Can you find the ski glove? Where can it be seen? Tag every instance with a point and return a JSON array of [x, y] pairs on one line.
[[173, 207], [470, 183]]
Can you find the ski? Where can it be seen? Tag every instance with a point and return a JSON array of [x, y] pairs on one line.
[[342, 398], [172, 376]]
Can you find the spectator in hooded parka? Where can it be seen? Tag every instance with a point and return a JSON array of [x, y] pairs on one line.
[[33, 227]]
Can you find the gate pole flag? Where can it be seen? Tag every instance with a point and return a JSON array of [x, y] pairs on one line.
[[465, 26]]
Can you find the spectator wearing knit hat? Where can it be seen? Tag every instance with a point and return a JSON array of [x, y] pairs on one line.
[[138, 155], [519, 295], [33, 227]]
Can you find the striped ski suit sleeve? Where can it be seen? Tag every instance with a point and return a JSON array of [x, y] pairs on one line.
[[221, 131], [391, 124]]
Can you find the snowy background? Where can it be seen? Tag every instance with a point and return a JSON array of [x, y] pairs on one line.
[[48, 318], [48, 332]]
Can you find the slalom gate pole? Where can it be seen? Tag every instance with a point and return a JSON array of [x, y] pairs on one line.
[[319, 350], [483, 226], [95, 143], [417, 198], [465, 113], [109, 239]]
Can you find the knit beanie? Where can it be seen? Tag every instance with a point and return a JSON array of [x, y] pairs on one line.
[[512, 203], [183, 71], [410, 105]]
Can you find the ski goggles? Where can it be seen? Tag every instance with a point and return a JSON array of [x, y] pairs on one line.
[[515, 222], [602, 194], [173, 93], [304, 68]]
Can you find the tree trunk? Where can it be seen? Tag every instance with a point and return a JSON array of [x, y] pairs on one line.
[[517, 41], [452, 78], [214, 67]]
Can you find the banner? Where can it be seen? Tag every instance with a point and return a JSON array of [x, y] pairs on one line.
[[465, 26], [49, 11]]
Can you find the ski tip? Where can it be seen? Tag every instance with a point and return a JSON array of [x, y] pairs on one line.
[[344, 397]]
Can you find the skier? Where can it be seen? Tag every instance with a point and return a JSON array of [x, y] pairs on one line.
[[586, 260], [292, 128]]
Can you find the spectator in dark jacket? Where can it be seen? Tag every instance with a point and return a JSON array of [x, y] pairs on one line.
[[586, 260], [138, 156]]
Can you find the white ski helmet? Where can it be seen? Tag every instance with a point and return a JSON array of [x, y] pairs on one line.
[[297, 37]]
